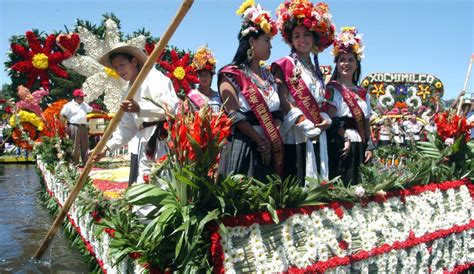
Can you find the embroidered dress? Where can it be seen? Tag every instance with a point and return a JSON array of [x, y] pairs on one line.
[[348, 167], [302, 156], [240, 154]]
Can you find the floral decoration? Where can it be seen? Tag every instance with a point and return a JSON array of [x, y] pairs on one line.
[[204, 60], [39, 58], [180, 71], [254, 18], [316, 18], [101, 80], [451, 126], [347, 41], [30, 101], [53, 126]]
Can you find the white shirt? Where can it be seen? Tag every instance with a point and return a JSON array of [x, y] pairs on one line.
[[76, 113], [158, 88], [343, 111]]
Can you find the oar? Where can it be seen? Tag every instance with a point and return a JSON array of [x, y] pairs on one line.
[[183, 9], [463, 91]]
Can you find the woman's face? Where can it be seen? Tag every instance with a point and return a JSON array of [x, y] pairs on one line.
[[346, 64], [205, 78], [302, 39], [262, 47], [128, 70]]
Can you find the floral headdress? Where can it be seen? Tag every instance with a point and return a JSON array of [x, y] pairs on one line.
[[316, 18], [255, 18], [204, 60], [349, 40]]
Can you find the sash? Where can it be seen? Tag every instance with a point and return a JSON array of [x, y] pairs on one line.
[[199, 99], [259, 107], [354, 107], [299, 90]]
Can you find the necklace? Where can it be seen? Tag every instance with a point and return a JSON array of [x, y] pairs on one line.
[[267, 87]]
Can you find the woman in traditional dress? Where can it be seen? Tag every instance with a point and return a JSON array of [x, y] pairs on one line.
[[250, 98], [307, 29], [204, 65], [351, 104]]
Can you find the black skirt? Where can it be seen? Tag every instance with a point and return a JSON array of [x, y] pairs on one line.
[[240, 156]]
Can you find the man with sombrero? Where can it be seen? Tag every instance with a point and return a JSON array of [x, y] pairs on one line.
[[142, 118]]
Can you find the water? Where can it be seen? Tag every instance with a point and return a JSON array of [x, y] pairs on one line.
[[23, 224]]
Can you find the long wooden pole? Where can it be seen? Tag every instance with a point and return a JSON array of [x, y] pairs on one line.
[[463, 91], [184, 8]]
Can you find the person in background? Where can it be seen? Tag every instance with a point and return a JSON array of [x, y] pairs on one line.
[[250, 99], [204, 65], [75, 112], [413, 129], [351, 104], [301, 88], [142, 118]]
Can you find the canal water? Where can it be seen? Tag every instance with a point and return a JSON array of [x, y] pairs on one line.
[[23, 224]]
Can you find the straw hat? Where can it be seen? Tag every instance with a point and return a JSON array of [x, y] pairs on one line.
[[123, 48]]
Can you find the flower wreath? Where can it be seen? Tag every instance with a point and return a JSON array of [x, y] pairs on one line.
[[349, 40], [204, 60], [315, 17], [255, 18]]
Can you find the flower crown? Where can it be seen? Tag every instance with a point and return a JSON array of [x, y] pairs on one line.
[[255, 18], [349, 40], [316, 18], [204, 60]]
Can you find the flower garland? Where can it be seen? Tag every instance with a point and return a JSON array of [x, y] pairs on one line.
[[343, 233], [38, 59], [101, 80], [24, 116], [315, 17]]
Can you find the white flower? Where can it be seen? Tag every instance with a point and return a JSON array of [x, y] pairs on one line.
[[99, 79], [359, 191], [449, 141]]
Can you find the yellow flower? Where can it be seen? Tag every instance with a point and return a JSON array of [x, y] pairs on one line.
[[438, 85], [365, 83], [245, 5], [265, 26], [179, 73], [111, 72], [40, 61], [344, 29]]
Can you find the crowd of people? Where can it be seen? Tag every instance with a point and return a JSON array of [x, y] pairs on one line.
[[285, 119]]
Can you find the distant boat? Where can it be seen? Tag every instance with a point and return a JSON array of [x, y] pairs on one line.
[[16, 159]]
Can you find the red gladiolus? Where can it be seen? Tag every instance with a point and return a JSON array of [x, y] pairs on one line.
[[134, 255], [110, 231], [451, 126]]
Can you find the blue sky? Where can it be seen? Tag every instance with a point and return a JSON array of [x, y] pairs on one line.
[[417, 36]]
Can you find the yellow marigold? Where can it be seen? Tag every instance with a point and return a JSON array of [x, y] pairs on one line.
[[40, 61], [438, 85], [245, 5]]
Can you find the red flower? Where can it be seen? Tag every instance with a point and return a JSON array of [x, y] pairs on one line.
[[146, 178], [180, 71], [110, 231], [134, 255], [343, 244], [39, 59]]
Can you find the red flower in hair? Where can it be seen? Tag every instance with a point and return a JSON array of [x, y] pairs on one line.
[[39, 59]]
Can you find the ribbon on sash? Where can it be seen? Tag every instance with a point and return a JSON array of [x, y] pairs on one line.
[[259, 107], [354, 107], [304, 99], [199, 99]]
